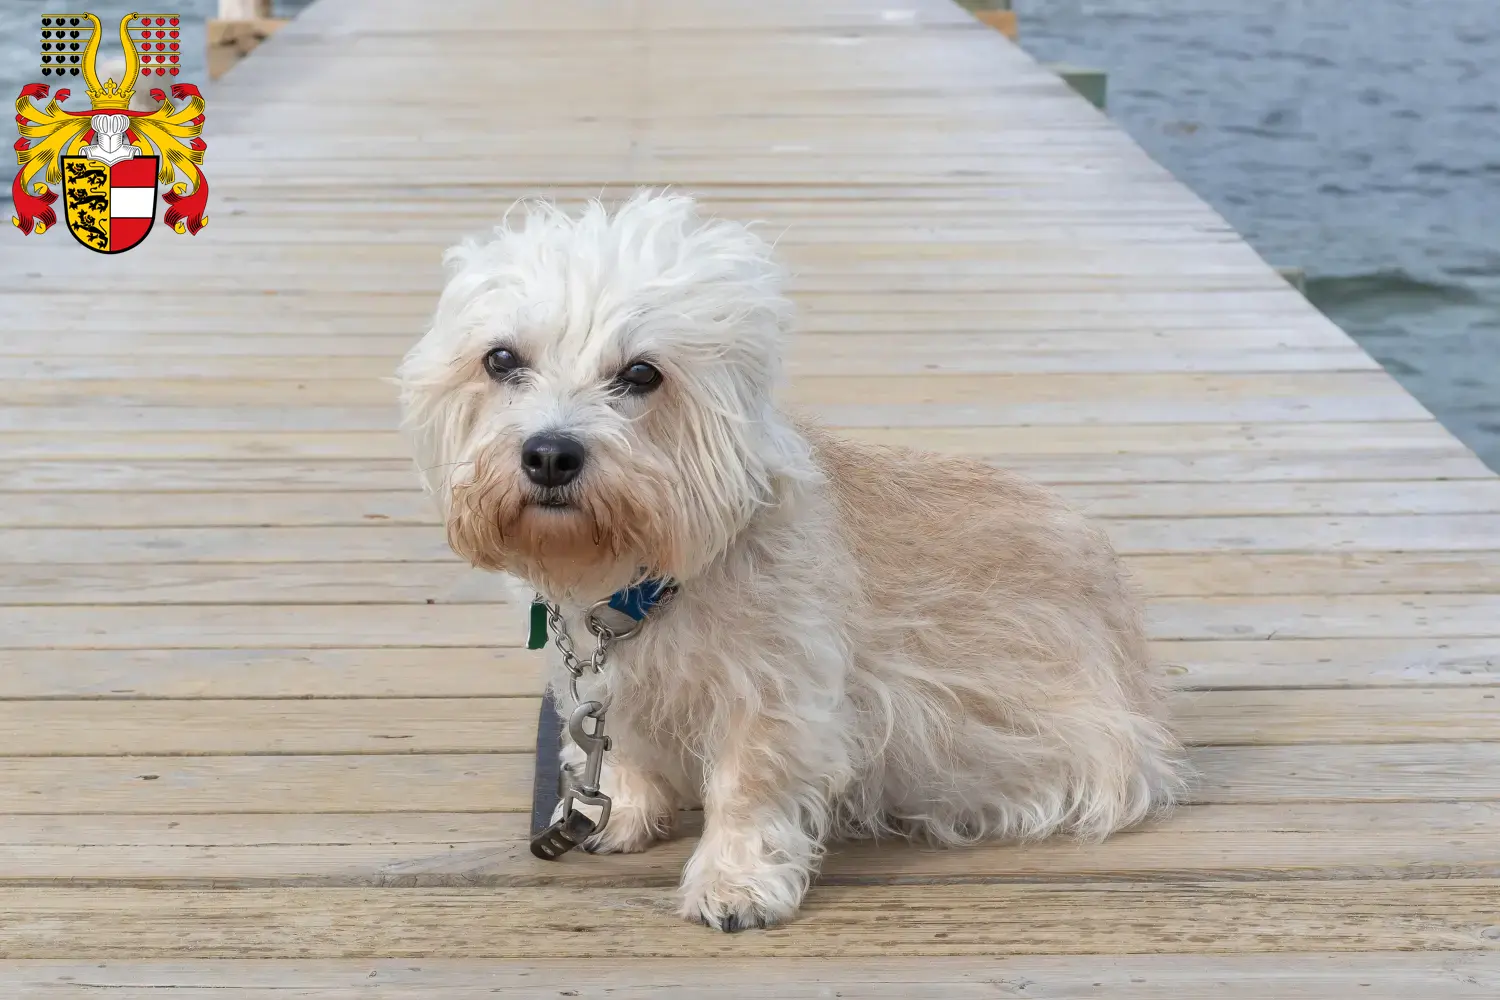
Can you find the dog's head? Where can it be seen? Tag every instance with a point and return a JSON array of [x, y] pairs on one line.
[[594, 397]]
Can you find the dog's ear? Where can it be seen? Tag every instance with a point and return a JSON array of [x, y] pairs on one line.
[[439, 405]]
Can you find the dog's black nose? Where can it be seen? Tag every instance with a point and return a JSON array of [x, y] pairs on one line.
[[551, 459]]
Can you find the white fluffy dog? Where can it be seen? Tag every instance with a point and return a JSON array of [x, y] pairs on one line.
[[862, 641]]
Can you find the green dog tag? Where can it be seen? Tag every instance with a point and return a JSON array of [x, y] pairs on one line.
[[538, 639]]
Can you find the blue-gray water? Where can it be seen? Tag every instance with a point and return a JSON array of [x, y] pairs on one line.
[[1358, 139]]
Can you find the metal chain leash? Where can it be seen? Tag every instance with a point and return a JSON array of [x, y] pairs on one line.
[[573, 826], [604, 636]]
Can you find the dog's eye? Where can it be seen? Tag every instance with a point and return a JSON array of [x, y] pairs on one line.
[[502, 363], [638, 377]]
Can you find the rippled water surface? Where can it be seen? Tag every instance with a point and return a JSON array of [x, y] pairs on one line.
[[1358, 139]]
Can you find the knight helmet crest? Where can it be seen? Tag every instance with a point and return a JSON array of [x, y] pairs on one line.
[[110, 160]]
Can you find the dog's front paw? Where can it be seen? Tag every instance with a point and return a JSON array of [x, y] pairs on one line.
[[743, 900], [641, 810], [630, 830]]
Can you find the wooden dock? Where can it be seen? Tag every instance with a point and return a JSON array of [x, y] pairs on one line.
[[262, 736]]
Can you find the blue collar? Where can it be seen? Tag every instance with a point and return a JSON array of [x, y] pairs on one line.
[[637, 602]]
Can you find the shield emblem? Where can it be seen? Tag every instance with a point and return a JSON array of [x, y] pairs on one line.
[[111, 206]]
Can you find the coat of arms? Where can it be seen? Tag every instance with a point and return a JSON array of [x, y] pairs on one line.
[[110, 159]]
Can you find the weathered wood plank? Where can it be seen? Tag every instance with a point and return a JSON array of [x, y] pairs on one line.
[[450, 581], [167, 626], [203, 727], [321, 349], [378, 539], [1286, 976], [837, 921], [1406, 772], [1330, 662], [211, 727], [392, 672], [1458, 771], [977, 441], [266, 784], [409, 506], [1352, 533], [499, 671], [1384, 840], [1352, 616], [1213, 573], [849, 361], [319, 416], [278, 475], [1306, 499], [1029, 395]]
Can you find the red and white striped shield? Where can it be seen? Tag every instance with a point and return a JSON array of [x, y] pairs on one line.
[[111, 206]]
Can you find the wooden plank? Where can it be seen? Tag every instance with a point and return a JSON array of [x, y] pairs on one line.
[[321, 350], [987, 441], [1299, 717], [222, 509], [879, 310], [1287, 976], [1193, 574], [449, 582], [1402, 772], [1330, 662], [458, 672], [279, 475], [1285, 841], [266, 784], [1297, 388], [1099, 313], [1352, 616], [204, 727], [380, 540], [1478, 496], [1215, 573], [391, 672], [1457, 771], [442, 626], [259, 627], [849, 361], [1451, 532], [982, 442], [210, 727], [409, 506], [374, 418], [837, 921]]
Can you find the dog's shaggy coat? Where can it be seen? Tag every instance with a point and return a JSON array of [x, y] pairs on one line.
[[866, 641]]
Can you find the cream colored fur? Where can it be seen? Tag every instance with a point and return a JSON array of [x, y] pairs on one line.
[[866, 642]]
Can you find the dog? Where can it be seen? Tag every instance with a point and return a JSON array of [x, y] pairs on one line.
[[860, 641]]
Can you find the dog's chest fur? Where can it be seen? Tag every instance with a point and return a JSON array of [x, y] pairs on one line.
[[768, 625]]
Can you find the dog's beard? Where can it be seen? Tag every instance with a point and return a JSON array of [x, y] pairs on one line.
[[587, 539]]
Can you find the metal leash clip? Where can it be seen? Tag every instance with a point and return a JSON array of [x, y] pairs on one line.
[[573, 826]]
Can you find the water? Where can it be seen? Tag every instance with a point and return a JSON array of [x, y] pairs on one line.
[[1358, 139]]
